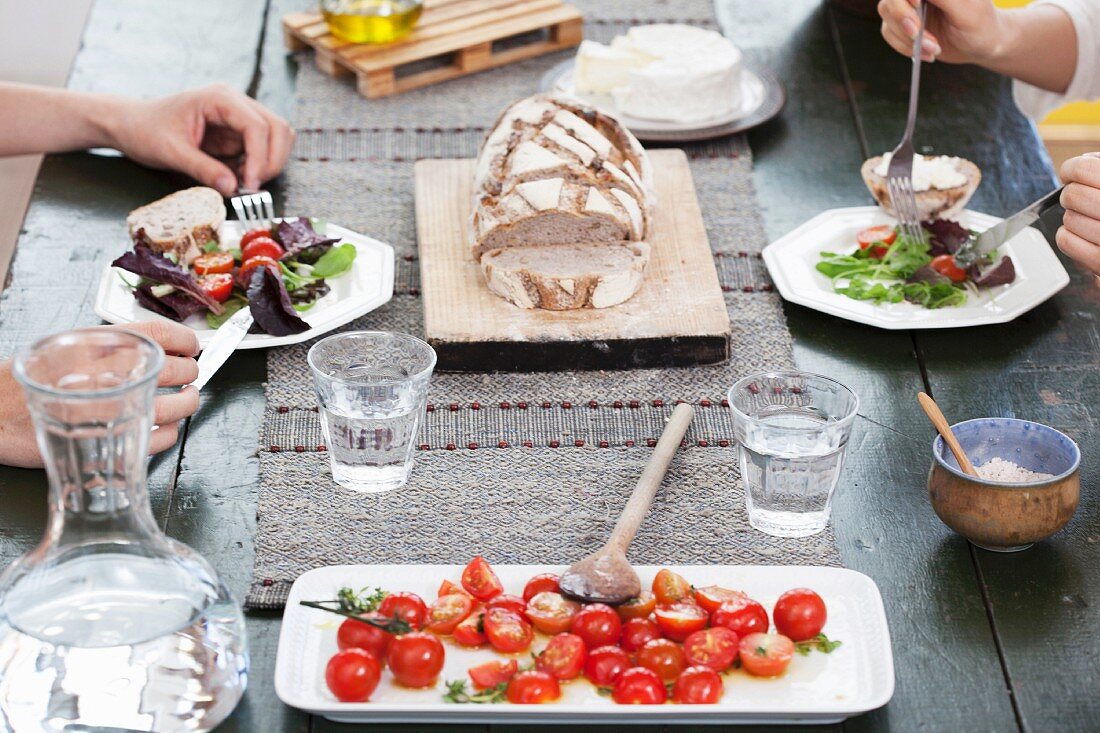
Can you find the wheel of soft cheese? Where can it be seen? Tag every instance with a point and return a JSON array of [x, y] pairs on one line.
[[664, 72], [566, 276]]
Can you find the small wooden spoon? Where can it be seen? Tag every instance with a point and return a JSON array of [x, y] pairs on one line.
[[932, 410], [605, 576]]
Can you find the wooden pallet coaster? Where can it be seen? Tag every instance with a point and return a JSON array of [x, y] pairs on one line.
[[463, 30]]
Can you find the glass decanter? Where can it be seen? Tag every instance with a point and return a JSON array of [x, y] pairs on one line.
[[108, 623]]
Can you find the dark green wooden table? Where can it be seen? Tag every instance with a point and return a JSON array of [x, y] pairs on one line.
[[981, 641]]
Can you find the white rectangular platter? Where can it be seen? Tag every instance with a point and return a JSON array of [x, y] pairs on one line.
[[818, 688], [792, 260]]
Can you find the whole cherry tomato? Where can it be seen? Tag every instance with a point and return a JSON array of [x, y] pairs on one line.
[[509, 601], [670, 587], [714, 648], [677, 620], [354, 634], [448, 612], [598, 625], [480, 581], [713, 596], [533, 687], [492, 673], [352, 675], [261, 247], [219, 287], [416, 659], [213, 263], [766, 655], [664, 657], [563, 658], [639, 686], [636, 632], [697, 686], [742, 616], [544, 583], [471, 631], [408, 607], [639, 607], [799, 614], [507, 631], [605, 664], [551, 612]]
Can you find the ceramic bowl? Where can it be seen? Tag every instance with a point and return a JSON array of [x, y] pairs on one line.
[[999, 516]]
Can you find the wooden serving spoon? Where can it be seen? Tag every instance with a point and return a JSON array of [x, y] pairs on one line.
[[932, 410], [605, 576]]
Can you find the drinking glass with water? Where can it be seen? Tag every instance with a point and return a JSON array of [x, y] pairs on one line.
[[793, 428], [371, 389]]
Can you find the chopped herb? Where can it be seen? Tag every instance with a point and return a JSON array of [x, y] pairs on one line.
[[360, 602], [458, 693], [236, 252], [820, 642], [210, 246], [605, 691]]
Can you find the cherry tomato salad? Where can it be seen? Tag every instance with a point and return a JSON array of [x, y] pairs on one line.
[[674, 642], [278, 273], [889, 267]]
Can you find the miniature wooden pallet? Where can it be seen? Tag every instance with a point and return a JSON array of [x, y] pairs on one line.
[[465, 30]]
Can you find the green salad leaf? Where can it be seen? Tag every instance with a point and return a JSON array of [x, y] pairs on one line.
[[335, 262], [231, 306]]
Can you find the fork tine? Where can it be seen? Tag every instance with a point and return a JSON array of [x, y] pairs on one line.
[[269, 208], [238, 207]]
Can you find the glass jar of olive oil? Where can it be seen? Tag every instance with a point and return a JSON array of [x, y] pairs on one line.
[[371, 21]]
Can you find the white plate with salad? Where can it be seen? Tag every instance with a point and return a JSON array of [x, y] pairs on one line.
[[329, 276], [888, 282]]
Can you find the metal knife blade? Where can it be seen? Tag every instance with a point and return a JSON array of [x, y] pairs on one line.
[[998, 234], [221, 345]]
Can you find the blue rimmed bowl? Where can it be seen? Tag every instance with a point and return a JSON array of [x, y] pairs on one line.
[[1000, 516]]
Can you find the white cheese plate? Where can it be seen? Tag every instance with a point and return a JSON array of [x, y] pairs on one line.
[[856, 677], [792, 261], [366, 287]]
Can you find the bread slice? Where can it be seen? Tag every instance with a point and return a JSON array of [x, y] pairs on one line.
[[566, 276], [934, 203], [180, 223]]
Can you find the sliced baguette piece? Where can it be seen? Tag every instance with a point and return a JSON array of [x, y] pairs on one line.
[[180, 223], [566, 276], [935, 203]]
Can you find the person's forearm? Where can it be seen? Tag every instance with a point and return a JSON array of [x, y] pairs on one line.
[[1037, 45], [47, 120]]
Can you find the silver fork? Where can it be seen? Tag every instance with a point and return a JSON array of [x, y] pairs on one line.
[[254, 208], [899, 177]]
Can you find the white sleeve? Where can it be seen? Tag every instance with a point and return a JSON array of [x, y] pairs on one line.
[[1085, 14]]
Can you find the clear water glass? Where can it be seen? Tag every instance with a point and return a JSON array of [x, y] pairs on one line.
[[371, 387], [793, 428]]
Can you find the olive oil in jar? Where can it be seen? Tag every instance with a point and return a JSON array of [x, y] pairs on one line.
[[371, 21]]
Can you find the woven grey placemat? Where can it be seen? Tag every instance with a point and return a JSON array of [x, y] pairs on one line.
[[518, 467]]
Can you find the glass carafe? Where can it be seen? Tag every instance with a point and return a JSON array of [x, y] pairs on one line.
[[109, 623]]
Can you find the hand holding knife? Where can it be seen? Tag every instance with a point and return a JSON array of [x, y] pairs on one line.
[[998, 234]]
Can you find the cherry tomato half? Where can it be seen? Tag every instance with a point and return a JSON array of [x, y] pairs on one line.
[[766, 655], [261, 247], [492, 673], [678, 620], [639, 686], [563, 658], [480, 581], [416, 659], [213, 263], [219, 287], [533, 687], [448, 612], [878, 239], [354, 634], [670, 587], [507, 631], [605, 664], [544, 583], [509, 601], [598, 625], [713, 596], [799, 614], [254, 234], [244, 274], [446, 588], [551, 612], [945, 265], [713, 648], [471, 632], [664, 657], [639, 607], [637, 632], [697, 686], [352, 675], [743, 616], [408, 607]]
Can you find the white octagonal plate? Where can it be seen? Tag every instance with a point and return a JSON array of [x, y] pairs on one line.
[[791, 261], [368, 286]]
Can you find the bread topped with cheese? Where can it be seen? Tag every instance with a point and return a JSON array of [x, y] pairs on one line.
[[555, 172]]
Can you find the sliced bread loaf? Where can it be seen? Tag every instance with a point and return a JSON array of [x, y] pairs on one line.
[[180, 223], [566, 276]]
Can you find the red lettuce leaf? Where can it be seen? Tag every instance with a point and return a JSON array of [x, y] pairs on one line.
[[143, 261], [300, 241], [270, 305], [946, 236], [177, 306], [1001, 273]]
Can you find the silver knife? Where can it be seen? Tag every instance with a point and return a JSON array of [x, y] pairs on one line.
[[998, 234], [224, 342]]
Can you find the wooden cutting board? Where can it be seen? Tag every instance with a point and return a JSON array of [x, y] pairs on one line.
[[677, 318]]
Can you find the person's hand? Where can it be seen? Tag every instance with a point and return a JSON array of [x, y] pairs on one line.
[[17, 440], [958, 31], [191, 131], [1079, 235]]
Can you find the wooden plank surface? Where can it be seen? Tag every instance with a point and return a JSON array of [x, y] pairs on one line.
[[678, 314]]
